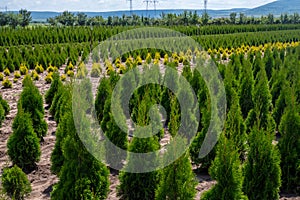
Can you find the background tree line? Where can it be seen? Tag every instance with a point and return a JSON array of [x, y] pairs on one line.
[[186, 18], [22, 18]]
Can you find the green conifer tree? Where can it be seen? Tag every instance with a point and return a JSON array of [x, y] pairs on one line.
[[261, 113], [289, 147], [262, 168], [23, 145], [55, 86], [227, 171], [81, 176], [32, 102], [147, 182], [246, 88]]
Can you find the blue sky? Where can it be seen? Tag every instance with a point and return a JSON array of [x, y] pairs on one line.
[[112, 5]]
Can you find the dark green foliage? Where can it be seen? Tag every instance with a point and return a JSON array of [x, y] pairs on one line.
[[32, 102], [177, 180], [4, 109], [227, 171], [246, 88], [81, 176], [147, 182], [289, 147], [64, 128], [235, 128], [2, 114], [15, 183], [262, 169], [104, 90], [4, 105], [55, 85], [269, 63], [23, 145], [261, 113]]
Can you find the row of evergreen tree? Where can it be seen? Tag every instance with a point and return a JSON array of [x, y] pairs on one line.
[[53, 35], [262, 100]]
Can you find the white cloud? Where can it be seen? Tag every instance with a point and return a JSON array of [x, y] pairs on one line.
[[112, 5]]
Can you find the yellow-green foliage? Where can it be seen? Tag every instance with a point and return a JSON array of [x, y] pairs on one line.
[[122, 68], [6, 83], [129, 62], [39, 69], [156, 61], [117, 61], [96, 70], [63, 77], [138, 60], [49, 78], [17, 74], [23, 69], [148, 58], [157, 56], [1, 76], [6, 72], [166, 59], [81, 71], [35, 76], [50, 69], [15, 80], [70, 73]]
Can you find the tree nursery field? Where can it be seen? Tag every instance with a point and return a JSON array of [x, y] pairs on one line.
[[42, 152]]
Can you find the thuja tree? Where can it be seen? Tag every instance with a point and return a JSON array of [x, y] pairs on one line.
[[32, 102], [289, 147], [262, 168], [4, 109], [147, 182], [15, 183], [177, 180], [81, 176], [227, 171], [246, 88], [23, 145], [114, 133], [55, 85], [261, 113], [5, 105], [57, 158], [103, 92], [235, 127]]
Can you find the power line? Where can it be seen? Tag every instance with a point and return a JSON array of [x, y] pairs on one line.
[[130, 1], [205, 6], [4, 8]]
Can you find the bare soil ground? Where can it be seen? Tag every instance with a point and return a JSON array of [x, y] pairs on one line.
[[42, 179]]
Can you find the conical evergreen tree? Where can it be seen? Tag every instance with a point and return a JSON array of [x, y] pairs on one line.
[[261, 113], [81, 176], [246, 89], [262, 169], [147, 182], [55, 85], [57, 158], [104, 90], [235, 127], [289, 147], [177, 180], [269, 63], [32, 102], [227, 171], [23, 145]]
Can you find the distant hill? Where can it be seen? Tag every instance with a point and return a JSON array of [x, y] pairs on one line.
[[278, 7]]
